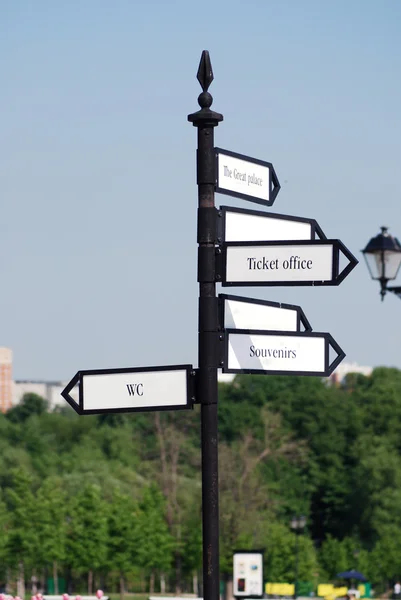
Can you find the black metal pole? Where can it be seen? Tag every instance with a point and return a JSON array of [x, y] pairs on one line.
[[296, 566], [205, 120]]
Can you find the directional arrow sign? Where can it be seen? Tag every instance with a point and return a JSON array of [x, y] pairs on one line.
[[277, 353], [130, 390], [303, 262], [245, 177], [241, 225], [237, 312]]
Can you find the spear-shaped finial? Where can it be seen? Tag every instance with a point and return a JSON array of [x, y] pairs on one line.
[[205, 71], [205, 99]]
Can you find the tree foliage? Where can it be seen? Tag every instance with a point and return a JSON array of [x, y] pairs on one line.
[[117, 501]]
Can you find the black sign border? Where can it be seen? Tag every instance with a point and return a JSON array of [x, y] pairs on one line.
[[316, 230], [336, 277], [78, 378], [301, 317], [329, 341], [274, 185]]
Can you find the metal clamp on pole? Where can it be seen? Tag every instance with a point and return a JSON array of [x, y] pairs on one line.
[[205, 167], [208, 314], [206, 264], [207, 225], [209, 340]]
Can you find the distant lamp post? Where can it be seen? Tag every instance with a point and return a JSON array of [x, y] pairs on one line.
[[383, 258], [297, 525]]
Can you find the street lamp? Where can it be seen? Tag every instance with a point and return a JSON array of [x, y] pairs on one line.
[[383, 258], [298, 525]]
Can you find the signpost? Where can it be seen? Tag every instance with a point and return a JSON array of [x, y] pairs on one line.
[[280, 352], [245, 177], [237, 312], [130, 390], [235, 247], [302, 262], [240, 225], [205, 120]]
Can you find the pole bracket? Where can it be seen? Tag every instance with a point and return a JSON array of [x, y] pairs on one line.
[[214, 342], [219, 226], [221, 348], [194, 384], [202, 383], [218, 264]]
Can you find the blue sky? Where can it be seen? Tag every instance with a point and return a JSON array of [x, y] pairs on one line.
[[97, 166]]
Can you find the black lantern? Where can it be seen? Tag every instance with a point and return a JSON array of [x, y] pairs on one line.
[[383, 258], [298, 525]]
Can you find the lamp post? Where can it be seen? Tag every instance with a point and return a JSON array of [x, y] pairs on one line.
[[383, 258], [297, 525]]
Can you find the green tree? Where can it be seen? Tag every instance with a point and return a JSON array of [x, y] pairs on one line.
[[385, 559], [4, 533], [155, 543], [320, 415], [245, 495], [22, 541], [123, 543], [87, 541], [192, 545], [51, 525], [334, 557], [287, 445], [31, 404], [377, 493], [279, 554]]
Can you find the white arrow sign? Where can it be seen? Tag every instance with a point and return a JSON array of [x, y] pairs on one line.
[[245, 177], [129, 390], [280, 353], [241, 225], [237, 312], [314, 262]]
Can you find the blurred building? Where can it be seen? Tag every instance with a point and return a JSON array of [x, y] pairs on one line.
[[6, 379], [49, 390], [344, 368]]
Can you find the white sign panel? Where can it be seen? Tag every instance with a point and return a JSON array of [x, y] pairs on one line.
[[257, 351], [120, 390], [239, 314], [135, 390], [246, 177], [273, 264], [248, 574], [253, 226]]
